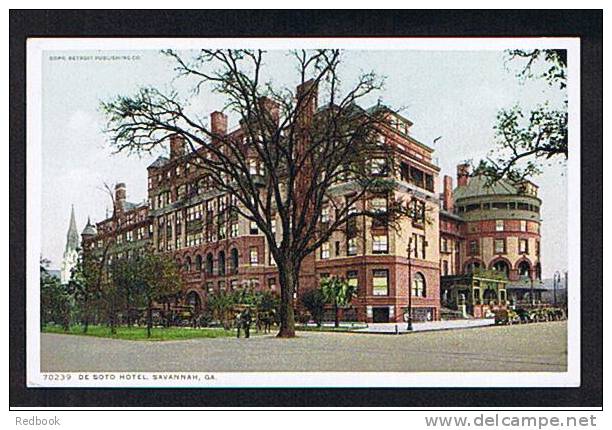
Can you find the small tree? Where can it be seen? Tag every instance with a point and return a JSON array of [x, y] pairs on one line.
[[339, 293], [85, 286], [220, 305], [314, 302], [55, 304], [120, 290], [156, 276]]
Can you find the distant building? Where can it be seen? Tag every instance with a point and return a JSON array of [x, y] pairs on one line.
[[71, 252]]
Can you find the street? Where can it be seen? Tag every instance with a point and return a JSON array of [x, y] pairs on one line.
[[529, 347]]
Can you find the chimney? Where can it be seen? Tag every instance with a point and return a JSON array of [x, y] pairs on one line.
[[447, 201], [120, 196], [218, 124], [307, 93], [177, 146], [463, 173]]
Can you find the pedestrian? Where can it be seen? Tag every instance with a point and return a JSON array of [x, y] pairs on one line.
[[238, 324], [246, 322]]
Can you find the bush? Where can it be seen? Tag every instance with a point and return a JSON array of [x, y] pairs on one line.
[[314, 302]]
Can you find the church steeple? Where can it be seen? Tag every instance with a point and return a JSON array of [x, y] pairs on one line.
[[72, 238]]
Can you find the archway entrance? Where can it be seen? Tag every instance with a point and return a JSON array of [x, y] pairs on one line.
[[193, 299]]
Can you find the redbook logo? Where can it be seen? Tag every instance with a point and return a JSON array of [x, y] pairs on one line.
[[37, 421]]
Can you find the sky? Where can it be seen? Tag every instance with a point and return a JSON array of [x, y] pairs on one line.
[[453, 94]]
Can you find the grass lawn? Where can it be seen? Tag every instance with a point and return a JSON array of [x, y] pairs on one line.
[[140, 333]]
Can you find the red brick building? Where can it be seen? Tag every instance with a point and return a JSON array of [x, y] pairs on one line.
[[219, 250]]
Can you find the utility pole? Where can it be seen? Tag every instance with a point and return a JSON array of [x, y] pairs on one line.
[[409, 325], [556, 284]]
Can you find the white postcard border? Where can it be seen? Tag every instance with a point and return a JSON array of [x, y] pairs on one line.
[[35, 378]]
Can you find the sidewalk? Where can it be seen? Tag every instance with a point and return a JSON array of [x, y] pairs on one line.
[[390, 328]]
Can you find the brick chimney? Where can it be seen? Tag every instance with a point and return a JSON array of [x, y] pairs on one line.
[[463, 173], [120, 194], [218, 124], [177, 146], [447, 201], [308, 94]]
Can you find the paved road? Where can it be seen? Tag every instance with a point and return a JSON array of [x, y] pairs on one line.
[[530, 347]]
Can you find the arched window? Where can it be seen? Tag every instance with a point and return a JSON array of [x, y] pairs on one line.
[[193, 300], [502, 267], [221, 263], [234, 260], [198, 263], [471, 267], [188, 264], [523, 269], [418, 285], [209, 264]]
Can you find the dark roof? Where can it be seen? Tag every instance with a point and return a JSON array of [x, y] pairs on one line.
[[160, 162], [477, 186], [128, 206], [89, 229]]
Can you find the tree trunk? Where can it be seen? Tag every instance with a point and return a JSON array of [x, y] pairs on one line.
[[337, 316], [288, 279], [149, 317], [127, 308]]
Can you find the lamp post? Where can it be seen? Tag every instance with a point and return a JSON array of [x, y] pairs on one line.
[[556, 282], [409, 322]]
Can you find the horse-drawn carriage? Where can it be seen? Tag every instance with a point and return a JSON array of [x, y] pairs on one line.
[[524, 315]]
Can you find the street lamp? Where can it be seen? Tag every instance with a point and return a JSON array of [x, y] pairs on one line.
[[409, 322], [556, 284]]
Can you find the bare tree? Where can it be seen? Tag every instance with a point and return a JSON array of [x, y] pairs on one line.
[[314, 148]]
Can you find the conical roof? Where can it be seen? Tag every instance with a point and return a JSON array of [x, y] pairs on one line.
[[478, 186], [90, 229], [72, 238]]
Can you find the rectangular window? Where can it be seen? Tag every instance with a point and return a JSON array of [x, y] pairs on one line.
[[523, 225], [378, 204], [273, 226], [444, 268], [378, 167], [380, 244], [352, 246], [523, 246], [234, 229], [423, 246], [352, 278], [325, 214], [253, 256], [473, 247], [325, 250], [500, 246], [272, 284], [499, 225], [337, 246], [380, 283], [253, 229], [414, 246]]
